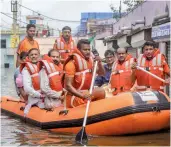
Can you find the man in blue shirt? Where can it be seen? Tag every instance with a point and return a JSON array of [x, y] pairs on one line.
[[100, 80]]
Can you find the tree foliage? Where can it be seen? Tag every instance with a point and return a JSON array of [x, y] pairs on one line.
[[116, 11], [131, 4]]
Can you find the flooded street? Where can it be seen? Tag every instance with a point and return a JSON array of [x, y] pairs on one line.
[[16, 133]]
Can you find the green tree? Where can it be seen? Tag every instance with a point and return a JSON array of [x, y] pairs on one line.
[[116, 12], [131, 4]]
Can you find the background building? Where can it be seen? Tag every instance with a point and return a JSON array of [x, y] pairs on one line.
[[7, 46], [88, 18], [9, 42], [141, 25], [42, 30]]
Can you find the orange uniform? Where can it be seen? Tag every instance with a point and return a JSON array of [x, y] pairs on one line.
[[64, 48], [121, 75], [26, 44], [158, 66], [54, 72], [81, 70]]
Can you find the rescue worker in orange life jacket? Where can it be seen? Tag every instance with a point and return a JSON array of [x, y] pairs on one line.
[[65, 44], [51, 71], [121, 76], [78, 75], [155, 62]]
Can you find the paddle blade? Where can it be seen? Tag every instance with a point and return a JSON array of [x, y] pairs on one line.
[[81, 137]]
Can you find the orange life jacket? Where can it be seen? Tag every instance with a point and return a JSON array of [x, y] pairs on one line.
[[34, 73], [83, 75], [82, 78], [121, 76], [155, 66], [65, 49], [53, 71]]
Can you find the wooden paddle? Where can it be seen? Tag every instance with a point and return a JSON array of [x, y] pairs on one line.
[[153, 75], [81, 137]]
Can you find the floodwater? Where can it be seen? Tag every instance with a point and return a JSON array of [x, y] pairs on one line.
[[16, 133]]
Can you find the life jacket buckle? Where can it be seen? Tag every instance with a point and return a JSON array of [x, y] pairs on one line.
[[67, 51], [147, 69]]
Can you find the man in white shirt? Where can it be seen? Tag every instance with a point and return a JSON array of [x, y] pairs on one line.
[[31, 80]]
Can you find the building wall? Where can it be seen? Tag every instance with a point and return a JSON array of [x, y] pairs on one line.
[[103, 34], [4, 57], [45, 44], [149, 9], [7, 54], [105, 21], [100, 47], [88, 18], [35, 18]]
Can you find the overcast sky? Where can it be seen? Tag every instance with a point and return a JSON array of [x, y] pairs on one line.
[[65, 10]]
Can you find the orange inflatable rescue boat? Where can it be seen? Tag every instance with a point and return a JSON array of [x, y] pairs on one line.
[[126, 113]]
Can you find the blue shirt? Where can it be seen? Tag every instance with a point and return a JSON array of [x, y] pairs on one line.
[[100, 80]]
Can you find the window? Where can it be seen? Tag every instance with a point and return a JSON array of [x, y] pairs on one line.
[[32, 21], [3, 43]]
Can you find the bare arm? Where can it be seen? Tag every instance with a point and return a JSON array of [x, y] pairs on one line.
[[55, 45], [18, 60], [19, 50], [134, 86], [100, 68], [133, 76], [68, 86], [69, 80], [166, 71]]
